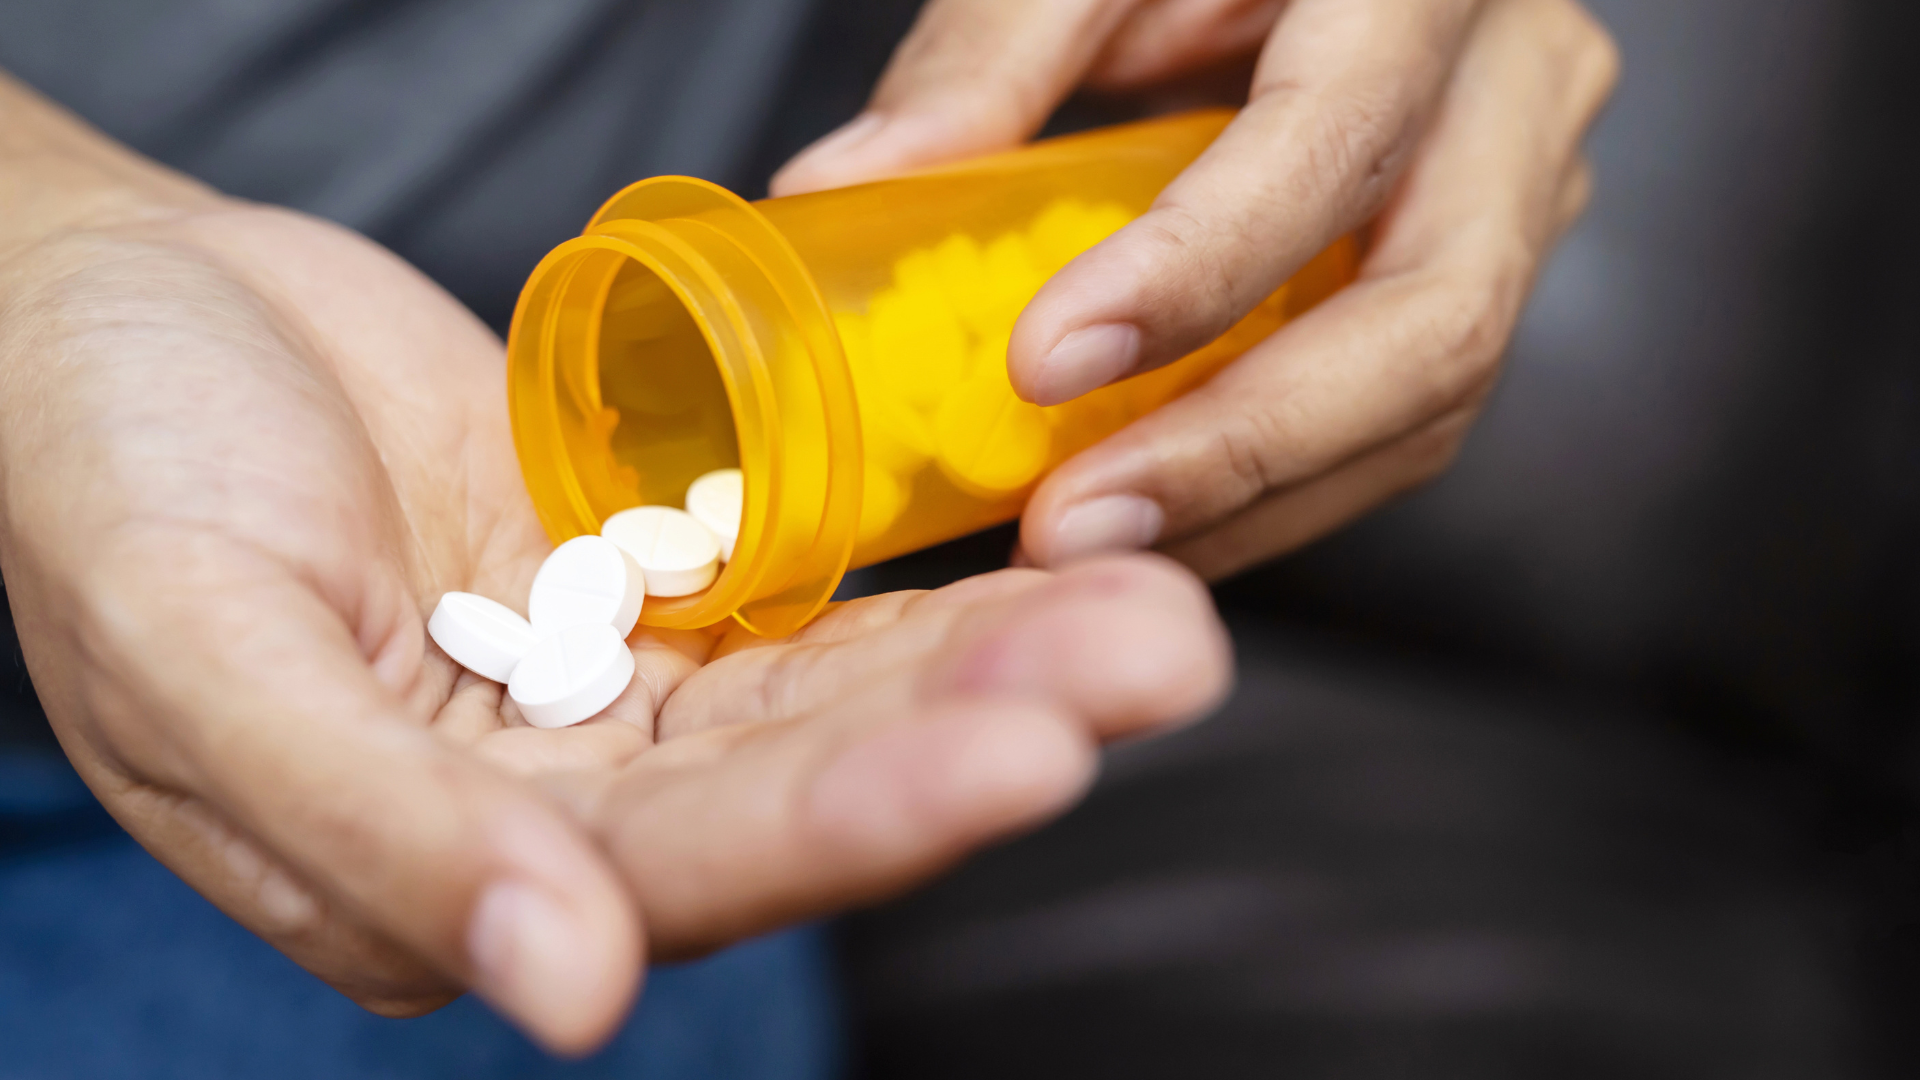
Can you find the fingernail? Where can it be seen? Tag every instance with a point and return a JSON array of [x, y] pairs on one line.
[[840, 141], [1108, 523], [529, 957], [1085, 360]]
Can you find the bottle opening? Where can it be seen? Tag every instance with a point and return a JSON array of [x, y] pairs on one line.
[[669, 418], [680, 334]]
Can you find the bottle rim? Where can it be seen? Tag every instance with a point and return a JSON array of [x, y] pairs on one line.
[[753, 300]]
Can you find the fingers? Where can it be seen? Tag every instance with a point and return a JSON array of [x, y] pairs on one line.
[[846, 650], [789, 824], [1164, 39], [972, 76], [917, 645], [268, 897], [1416, 338], [1380, 358], [268, 708], [1293, 517], [855, 796], [1127, 644], [1343, 92]]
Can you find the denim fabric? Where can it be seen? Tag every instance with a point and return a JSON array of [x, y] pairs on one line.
[[110, 966]]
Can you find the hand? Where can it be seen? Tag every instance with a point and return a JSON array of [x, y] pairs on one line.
[[1453, 126], [243, 452]]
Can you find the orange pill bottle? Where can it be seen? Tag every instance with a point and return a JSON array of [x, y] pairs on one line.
[[846, 350]]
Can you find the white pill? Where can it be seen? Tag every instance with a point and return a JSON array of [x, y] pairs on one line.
[[571, 675], [715, 500], [588, 579], [483, 636], [679, 555]]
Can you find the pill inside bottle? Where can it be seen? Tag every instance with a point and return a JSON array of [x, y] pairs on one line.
[[716, 500], [678, 555], [840, 357]]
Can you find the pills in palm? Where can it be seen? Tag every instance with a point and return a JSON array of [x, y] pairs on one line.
[[571, 675], [715, 500], [588, 579], [678, 555], [484, 636]]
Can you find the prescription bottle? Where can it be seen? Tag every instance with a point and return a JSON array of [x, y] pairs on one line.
[[845, 349]]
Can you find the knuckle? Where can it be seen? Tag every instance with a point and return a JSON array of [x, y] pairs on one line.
[[1357, 141], [1575, 194], [1593, 55], [1252, 448], [1436, 452], [1599, 64], [1466, 333], [1182, 253]]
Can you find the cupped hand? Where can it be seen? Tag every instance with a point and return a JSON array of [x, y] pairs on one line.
[[242, 453], [1450, 129]]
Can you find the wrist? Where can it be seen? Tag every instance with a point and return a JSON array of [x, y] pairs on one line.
[[58, 175]]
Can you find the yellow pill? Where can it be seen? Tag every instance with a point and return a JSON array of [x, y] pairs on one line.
[[1106, 218], [1068, 227], [918, 271], [1058, 234], [919, 348], [968, 285], [990, 442], [894, 437], [1083, 421], [856, 338], [883, 498], [1011, 279], [990, 355]]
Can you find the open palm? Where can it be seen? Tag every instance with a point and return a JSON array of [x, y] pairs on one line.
[[245, 451]]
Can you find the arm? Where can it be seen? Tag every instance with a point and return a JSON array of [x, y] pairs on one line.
[[56, 175], [174, 439], [242, 452]]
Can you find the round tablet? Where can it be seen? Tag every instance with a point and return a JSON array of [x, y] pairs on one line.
[[484, 636], [571, 675], [588, 579], [919, 346], [715, 500], [679, 555], [990, 442]]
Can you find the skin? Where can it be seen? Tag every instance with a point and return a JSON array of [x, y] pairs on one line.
[[1447, 131], [242, 454]]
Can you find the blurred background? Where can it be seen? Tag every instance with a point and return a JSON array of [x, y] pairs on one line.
[[1596, 758]]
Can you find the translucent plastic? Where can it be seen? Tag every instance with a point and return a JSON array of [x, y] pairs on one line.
[[846, 350]]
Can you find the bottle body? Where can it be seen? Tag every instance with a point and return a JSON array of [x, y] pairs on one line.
[[846, 349]]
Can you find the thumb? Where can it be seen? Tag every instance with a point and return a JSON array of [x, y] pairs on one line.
[[260, 700], [971, 77]]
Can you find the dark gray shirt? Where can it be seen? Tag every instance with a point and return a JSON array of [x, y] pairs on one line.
[[469, 135]]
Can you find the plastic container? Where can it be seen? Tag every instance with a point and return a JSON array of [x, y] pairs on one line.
[[846, 350]]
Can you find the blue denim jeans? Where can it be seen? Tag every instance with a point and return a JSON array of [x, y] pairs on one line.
[[110, 966]]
